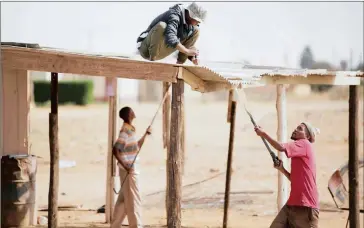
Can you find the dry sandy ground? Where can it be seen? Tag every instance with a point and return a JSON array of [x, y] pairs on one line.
[[83, 138]]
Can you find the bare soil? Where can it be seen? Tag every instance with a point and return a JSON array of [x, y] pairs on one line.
[[253, 200]]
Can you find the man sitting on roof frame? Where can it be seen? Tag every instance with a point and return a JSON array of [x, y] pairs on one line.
[[175, 29]]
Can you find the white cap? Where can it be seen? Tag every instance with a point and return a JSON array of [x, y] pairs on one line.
[[197, 12]]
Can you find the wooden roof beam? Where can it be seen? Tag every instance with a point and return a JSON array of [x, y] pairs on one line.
[[196, 83], [62, 62]]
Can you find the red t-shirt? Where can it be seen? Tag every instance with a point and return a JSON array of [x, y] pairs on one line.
[[303, 174]]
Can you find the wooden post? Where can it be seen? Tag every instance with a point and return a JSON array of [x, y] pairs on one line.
[[229, 162], [282, 137], [14, 117], [174, 180], [111, 168], [166, 127], [166, 115], [16, 106], [353, 157], [54, 155], [1, 124], [1, 118], [183, 132], [230, 99]]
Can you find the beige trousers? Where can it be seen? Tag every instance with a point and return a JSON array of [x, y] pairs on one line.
[[296, 217], [154, 46], [128, 202]]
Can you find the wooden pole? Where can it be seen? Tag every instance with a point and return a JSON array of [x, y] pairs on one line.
[[183, 133], [166, 115], [229, 163], [111, 170], [1, 122], [353, 157], [1, 117], [230, 99], [166, 127], [54, 155], [282, 137], [174, 180]]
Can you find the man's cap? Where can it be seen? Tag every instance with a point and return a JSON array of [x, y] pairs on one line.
[[197, 12], [313, 131]]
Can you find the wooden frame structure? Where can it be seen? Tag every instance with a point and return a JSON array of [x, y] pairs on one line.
[[15, 100]]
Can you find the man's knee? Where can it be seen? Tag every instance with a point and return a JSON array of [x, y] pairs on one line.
[[160, 26]]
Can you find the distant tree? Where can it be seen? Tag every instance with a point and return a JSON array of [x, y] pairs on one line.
[[307, 59], [360, 67], [343, 64]]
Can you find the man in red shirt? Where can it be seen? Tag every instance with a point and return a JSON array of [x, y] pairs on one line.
[[302, 207]]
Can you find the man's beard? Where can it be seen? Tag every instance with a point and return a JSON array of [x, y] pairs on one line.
[[293, 137]]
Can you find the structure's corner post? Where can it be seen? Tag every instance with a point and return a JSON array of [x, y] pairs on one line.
[[15, 111], [54, 155], [282, 137], [14, 116], [354, 200], [229, 162], [111, 169], [174, 174]]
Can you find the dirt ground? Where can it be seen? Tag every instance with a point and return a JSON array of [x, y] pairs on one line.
[[83, 139]]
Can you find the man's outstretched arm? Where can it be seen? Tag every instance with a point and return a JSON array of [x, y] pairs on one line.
[[277, 145]]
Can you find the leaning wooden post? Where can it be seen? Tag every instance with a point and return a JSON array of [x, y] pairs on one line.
[[111, 170], [282, 137], [174, 175], [353, 157], [54, 155], [229, 162]]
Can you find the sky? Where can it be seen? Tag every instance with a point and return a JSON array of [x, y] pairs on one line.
[[266, 33]]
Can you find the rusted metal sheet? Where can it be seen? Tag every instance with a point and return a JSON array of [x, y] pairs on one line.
[[18, 185]]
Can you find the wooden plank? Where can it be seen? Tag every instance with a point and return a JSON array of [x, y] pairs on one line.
[[354, 210], [229, 164], [111, 168], [54, 155], [191, 79], [312, 79], [174, 180], [211, 86], [63, 62], [16, 105], [282, 137]]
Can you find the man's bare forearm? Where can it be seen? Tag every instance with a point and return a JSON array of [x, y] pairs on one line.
[[286, 173], [141, 140], [180, 47], [278, 146]]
